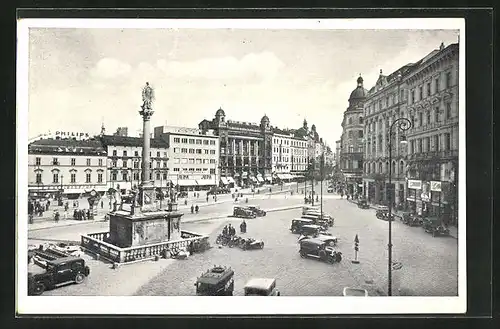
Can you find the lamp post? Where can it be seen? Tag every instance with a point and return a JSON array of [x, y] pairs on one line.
[[402, 124], [321, 168]]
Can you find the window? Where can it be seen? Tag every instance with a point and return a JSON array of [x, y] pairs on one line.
[[87, 177], [124, 153], [212, 151], [55, 178], [100, 162], [420, 92], [212, 161], [164, 164], [136, 153], [73, 178], [176, 169], [39, 178], [165, 176], [191, 161], [158, 176], [448, 79], [99, 177], [413, 96], [198, 141], [114, 153], [212, 142], [427, 144], [136, 164], [387, 101], [184, 140], [349, 121], [88, 162], [349, 133], [124, 164], [436, 142], [198, 151], [113, 175], [360, 133], [184, 160], [176, 160], [360, 120], [73, 162], [176, 150], [206, 152], [205, 142], [38, 161], [184, 150], [55, 162], [420, 119], [191, 141], [150, 176], [448, 111], [428, 117], [436, 85], [428, 89], [191, 151], [158, 164], [447, 141], [198, 161], [177, 140]]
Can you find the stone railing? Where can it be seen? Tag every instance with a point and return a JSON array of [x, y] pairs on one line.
[[96, 243]]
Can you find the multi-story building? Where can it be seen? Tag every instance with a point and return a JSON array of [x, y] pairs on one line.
[[385, 102], [433, 140], [289, 155], [66, 166], [351, 141], [299, 156], [124, 161], [245, 148], [193, 157], [337, 152]]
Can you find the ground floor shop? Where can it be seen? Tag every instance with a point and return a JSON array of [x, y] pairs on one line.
[[377, 191]]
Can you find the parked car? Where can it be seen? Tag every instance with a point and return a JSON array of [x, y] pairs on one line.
[[354, 292], [256, 209], [297, 224], [363, 204], [250, 243], [306, 209], [330, 189], [408, 218], [319, 217], [182, 194], [58, 272], [330, 240], [261, 287], [70, 249], [315, 248], [218, 281], [435, 226], [243, 212]]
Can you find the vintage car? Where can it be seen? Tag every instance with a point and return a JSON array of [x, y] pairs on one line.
[[320, 217], [382, 212], [363, 204], [218, 281], [243, 212], [261, 287], [70, 249], [306, 209], [311, 230], [182, 195], [330, 189], [330, 240], [257, 211], [408, 218], [58, 272], [318, 249], [297, 224], [250, 243], [317, 221], [354, 292], [435, 226]]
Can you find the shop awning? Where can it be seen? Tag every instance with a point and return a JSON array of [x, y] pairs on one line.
[[253, 178], [260, 179], [224, 180], [230, 180], [187, 182], [205, 182]]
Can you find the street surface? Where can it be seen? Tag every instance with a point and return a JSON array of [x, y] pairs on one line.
[[429, 264]]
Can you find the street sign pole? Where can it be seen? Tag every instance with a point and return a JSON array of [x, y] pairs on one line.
[[356, 249]]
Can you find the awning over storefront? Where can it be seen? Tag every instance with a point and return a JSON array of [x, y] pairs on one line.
[[253, 178], [187, 182], [224, 180], [260, 179], [205, 182], [230, 180]]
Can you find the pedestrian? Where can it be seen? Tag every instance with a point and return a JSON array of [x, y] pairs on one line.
[[102, 204], [207, 198], [192, 209], [56, 216], [88, 213], [196, 208], [65, 214], [225, 231]]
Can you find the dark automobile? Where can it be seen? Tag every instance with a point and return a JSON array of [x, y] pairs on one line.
[[383, 213], [218, 281], [182, 195], [315, 248], [435, 226], [298, 223], [363, 204], [243, 212], [330, 240], [250, 243], [58, 272], [408, 218], [256, 209], [320, 219], [329, 189]]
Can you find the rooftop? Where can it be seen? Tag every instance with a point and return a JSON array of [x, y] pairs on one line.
[[67, 146], [112, 140], [259, 283]]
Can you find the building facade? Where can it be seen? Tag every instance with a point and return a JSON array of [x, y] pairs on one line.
[[66, 166], [351, 141], [289, 160], [124, 161], [193, 157], [385, 103], [433, 140], [245, 148]]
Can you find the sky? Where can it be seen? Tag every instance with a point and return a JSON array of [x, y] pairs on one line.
[[80, 78]]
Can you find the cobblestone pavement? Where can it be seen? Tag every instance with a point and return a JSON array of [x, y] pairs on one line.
[[429, 264]]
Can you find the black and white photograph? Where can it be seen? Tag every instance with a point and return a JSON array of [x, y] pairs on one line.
[[173, 162]]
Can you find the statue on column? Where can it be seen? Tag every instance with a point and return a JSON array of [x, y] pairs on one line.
[[148, 97]]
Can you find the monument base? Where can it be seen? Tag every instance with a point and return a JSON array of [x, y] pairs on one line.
[[142, 228]]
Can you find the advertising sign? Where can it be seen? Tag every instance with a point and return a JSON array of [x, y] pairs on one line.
[[426, 192], [435, 186], [415, 184]]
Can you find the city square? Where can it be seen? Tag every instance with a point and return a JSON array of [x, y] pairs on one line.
[[354, 194]]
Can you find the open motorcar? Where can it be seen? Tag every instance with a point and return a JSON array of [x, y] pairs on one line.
[[57, 272], [297, 224], [243, 212], [363, 204], [250, 243], [218, 281], [261, 287], [435, 226], [257, 211], [316, 248]]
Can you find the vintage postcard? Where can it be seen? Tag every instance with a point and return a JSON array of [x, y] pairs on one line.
[[295, 166]]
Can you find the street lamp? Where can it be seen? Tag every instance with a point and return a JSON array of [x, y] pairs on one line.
[[402, 124]]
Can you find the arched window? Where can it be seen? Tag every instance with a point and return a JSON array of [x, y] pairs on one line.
[[380, 167], [361, 120], [349, 121], [401, 167], [394, 168]]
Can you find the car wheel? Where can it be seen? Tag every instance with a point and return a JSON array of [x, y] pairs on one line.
[[302, 254], [262, 245], [38, 289], [79, 278], [338, 258]]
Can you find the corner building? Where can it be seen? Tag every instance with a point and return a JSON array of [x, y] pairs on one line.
[[351, 141]]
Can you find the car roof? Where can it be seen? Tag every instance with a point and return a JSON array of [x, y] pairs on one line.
[[260, 283], [312, 226], [303, 220], [213, 278], [61, 260], [312, 241], [325, 237]]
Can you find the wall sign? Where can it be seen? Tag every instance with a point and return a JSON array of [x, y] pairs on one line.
[[436, 186], [415, 184]]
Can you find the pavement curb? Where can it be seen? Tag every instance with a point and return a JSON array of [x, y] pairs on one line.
[[66, 225]]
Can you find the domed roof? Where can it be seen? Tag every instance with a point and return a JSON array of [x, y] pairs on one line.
[[264, 119], [220, 113], [360, 92]]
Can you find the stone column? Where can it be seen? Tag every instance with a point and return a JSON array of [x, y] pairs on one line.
[[146, 158]]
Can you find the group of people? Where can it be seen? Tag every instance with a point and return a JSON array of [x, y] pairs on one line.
[[38, 208], [194, 209], [228, 230], [82, 214]]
